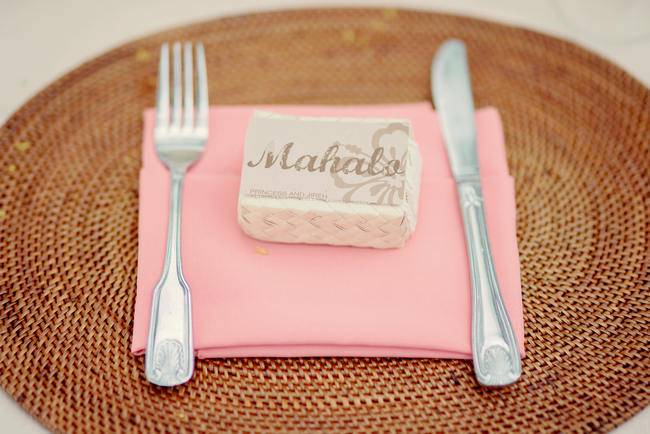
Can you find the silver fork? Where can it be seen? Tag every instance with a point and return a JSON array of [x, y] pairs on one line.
[[169, 359]]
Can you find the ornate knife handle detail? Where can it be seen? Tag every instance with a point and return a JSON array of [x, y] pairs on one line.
[[494, 347]]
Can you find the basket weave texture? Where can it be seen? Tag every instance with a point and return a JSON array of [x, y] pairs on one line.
[[578, 143]]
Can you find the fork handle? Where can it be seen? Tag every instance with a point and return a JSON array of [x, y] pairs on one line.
[[169, 358], [494, 348]]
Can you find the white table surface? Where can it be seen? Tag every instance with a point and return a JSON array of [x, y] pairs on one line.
[[42, 39]]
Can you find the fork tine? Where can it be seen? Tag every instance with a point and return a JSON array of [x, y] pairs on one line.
[[177, 109], [202, 88], [162, 100], [188, 93]]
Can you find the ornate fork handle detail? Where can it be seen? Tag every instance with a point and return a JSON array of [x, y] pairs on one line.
[[169, 358], [494, 347]]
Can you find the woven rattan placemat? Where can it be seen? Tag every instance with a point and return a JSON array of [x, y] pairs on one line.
[[578, 141]]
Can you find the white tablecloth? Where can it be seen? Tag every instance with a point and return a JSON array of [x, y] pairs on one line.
[[42, 39]]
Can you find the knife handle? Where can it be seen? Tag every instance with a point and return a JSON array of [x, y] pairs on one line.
[[494, 348]]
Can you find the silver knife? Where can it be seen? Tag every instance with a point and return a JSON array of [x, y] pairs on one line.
[[494, 347]]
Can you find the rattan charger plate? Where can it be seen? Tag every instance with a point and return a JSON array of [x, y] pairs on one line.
[[578, 142]]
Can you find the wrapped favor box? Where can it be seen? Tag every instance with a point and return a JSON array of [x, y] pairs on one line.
[[337, 181]]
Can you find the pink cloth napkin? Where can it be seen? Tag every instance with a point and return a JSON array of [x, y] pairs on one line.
[[307, 300]]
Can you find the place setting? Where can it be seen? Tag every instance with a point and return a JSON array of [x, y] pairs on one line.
[[336, 220]]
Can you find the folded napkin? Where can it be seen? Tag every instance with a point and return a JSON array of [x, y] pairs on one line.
[[252, 298]]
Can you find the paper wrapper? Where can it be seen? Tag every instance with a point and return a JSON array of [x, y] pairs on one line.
[[325, 180]]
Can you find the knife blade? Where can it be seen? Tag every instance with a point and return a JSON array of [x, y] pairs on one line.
[[495, 353]]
